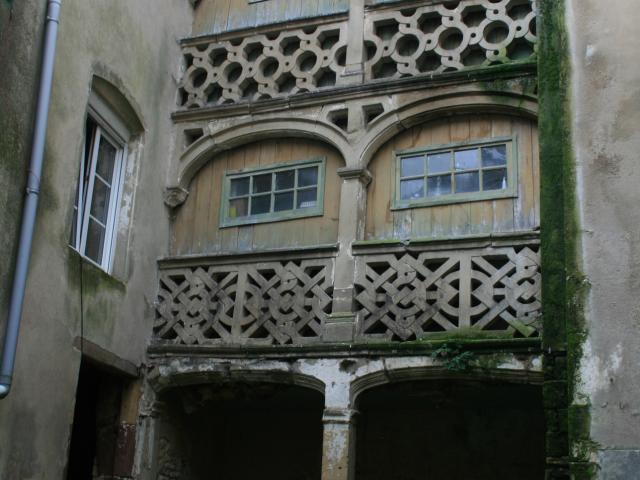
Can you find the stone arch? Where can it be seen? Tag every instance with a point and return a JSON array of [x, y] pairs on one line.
[[437, 372], [169, 378], [231, 136], [422, 422], [395, 121], [271, 415]]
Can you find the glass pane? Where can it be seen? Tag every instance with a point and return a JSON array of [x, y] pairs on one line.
[[260, 204], [467, 182], [307, 176], [439, 163], [440, 185], [238, 207], [411, 189], [100, 200], [467, 159], [106, 160], [307, 198], [494, 156], [239, 187], [412, 166], [285, 180], [494, 179], [283, 201], [262, 183], [95, 241]]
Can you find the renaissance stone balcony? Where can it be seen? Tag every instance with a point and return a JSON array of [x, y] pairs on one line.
[[477, 287], [367, 47]]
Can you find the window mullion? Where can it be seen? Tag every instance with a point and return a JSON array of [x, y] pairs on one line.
[[425, 169], [250, 196], [452, 166], [80, 197], [480, 174], [273, 193], [89, 197], [113, 208]]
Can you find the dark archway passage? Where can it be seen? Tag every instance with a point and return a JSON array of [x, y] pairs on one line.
[[242, 431], [450, 430]]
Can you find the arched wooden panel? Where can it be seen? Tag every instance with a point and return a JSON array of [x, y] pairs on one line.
[[196, 226], [475, 217]]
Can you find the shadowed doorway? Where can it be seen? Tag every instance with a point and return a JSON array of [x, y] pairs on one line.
[[240, 431], [450, 430]]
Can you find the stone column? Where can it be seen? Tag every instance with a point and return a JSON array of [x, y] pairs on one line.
[[147, 435], [338, 447], [339, 327]]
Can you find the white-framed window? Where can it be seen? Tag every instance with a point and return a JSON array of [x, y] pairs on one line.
[[95, 209]]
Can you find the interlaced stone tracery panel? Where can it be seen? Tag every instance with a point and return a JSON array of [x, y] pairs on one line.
[[448, 36], [262, 303], [256, 67], [411, 295]]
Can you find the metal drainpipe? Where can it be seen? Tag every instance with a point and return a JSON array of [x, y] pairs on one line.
[[31, 200]]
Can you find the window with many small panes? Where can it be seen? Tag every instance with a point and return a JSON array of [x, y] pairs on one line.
[[478, 170], [279, 192]]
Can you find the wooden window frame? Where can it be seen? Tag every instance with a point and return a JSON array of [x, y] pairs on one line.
[[512, 174], [109, 128], [271, 216]]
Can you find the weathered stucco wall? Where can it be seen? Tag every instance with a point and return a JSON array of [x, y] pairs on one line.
[[134, 46], [606, 114]]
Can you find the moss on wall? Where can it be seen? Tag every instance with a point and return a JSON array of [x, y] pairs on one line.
[[564, 286]]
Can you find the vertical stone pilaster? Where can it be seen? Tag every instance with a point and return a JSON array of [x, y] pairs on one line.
[[126, 436], [353, 73], [338, 447], [147, 437], [339, 327]]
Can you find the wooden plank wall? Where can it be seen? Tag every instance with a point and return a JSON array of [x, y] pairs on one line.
[[217, 16], [503, 215], [195, 227]]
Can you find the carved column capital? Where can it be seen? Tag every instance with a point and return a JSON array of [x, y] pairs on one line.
[[175, 196], [339, 416], [362, 174]]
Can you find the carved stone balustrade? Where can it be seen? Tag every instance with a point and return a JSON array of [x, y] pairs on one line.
[[422, 39], [245, 300], [425, 290], [485, 286]]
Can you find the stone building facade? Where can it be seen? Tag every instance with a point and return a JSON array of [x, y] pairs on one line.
[[325, 239]]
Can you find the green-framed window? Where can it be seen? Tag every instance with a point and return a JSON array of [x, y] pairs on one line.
[[461, 172], [274, 193]]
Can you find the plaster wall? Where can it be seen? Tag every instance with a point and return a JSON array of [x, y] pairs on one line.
[[604, 41], [134, 46]]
